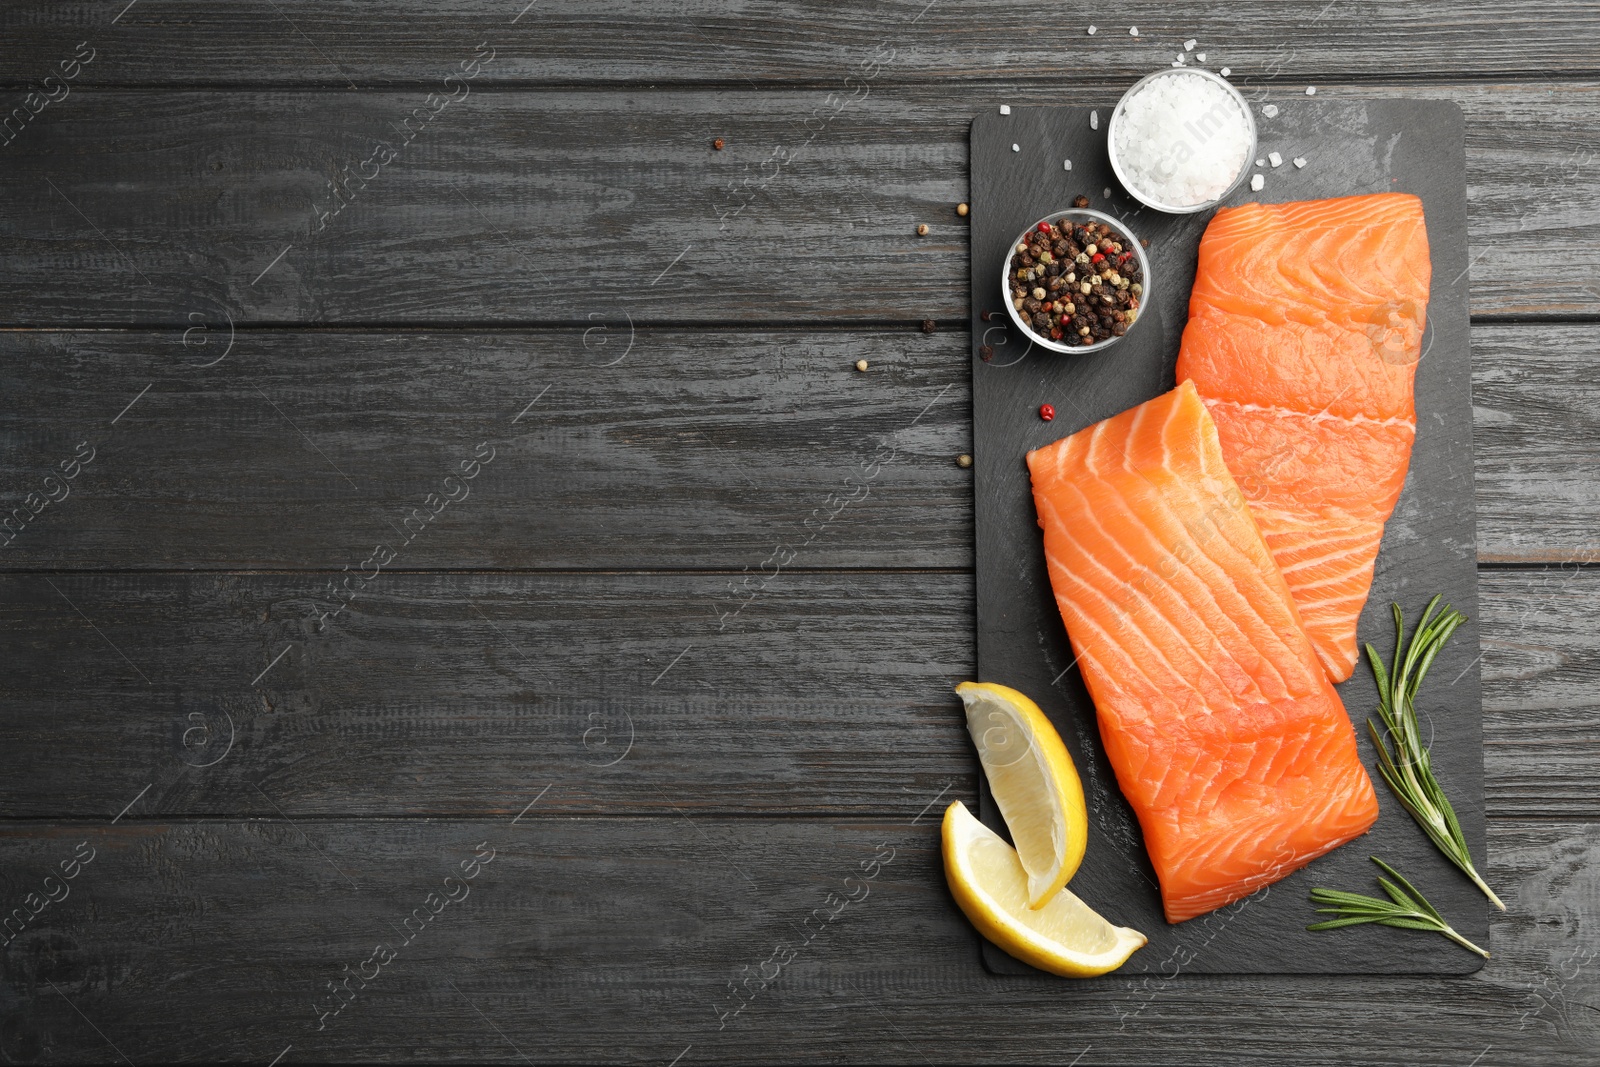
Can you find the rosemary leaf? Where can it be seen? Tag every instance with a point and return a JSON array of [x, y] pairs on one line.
[[1404, 761], [1406, 909]]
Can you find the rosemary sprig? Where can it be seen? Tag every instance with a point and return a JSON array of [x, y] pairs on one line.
[[1405, 908], [1408, 768]]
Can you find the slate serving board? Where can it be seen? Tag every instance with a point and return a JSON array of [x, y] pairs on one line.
[[1429, 546]]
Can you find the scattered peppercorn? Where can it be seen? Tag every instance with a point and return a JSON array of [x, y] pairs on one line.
[[927, 325], [1080, 201], [963, 460], [922, 229], [986, 352], [1047, 412], [962, 209], [861, 364], [717, 144]]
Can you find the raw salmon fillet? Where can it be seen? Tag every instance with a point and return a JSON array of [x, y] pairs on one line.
[[1305, 328], [1225, 732]]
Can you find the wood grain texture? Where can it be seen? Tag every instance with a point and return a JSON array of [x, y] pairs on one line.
[[463, 694], [576, 175], [1538, 489], [702, 448], [623, 41], [457, 693], [644, 448], [552, 207], [617, 940]]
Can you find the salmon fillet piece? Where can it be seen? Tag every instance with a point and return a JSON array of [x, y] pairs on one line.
[[1305, 328], [1226, 734]]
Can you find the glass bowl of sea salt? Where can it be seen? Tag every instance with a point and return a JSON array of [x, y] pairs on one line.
[[1181, 140]]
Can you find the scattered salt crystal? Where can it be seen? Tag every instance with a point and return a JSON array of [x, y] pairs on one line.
[[1133, 31], [1178, 62], [1299, 161], [1261, 162], [1091, 31], [1106, 191], [1188, 46], [1066, 164], [1311, 90], [1181, 139], [1226, 72], [1201, 56], [1270, 110], [1016, 148], [1258, 182], [1275, 159], [1094, 120], [1005, 109]]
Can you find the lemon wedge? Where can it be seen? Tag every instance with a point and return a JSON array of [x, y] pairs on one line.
[[1033, 780], [1064, 937]]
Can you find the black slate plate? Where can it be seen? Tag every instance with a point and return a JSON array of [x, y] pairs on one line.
[[1429, 547]]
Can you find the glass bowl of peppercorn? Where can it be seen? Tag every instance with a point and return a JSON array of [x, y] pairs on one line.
[[1075, 281]]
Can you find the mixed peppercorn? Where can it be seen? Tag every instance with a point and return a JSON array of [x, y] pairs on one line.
[[1077, 283]]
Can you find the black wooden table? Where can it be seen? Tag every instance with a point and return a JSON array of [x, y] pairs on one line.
[[434, 619]]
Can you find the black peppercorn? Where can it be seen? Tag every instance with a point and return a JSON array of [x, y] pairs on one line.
[[986, 353], [927, 325], [1080, 201]]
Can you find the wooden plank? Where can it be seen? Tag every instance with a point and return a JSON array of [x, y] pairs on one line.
[[654, 448], [462, 694], [689, 448], [552, 207], [1536, 440], [1540, 658], [623, 940], [622, 41]]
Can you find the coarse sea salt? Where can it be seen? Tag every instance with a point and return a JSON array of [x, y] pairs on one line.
[[1201, 56], [1311, 90], [1133, 31], [1094, 120], [1270, 110], [1226, 71], [1181, 139], [1188, 46], [1258, 182], [1275, 159], [1092, 31], [1005, 109], [1016, 148], [1299, 161], [1066, 164]]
